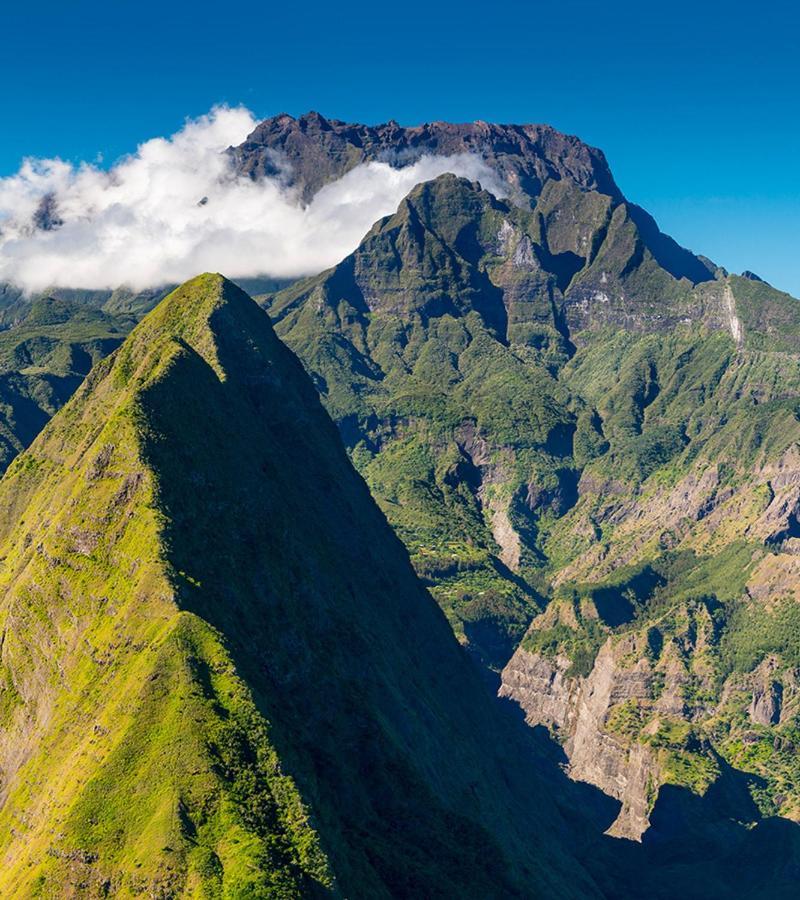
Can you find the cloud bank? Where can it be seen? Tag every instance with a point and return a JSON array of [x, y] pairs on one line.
[[175, 208]]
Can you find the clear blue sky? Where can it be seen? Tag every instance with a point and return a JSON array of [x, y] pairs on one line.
[[696, 104]]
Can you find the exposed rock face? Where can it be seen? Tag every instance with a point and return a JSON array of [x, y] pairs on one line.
[[549, 395], [601, 759], [576, 709], [765, 708], [312, 150], [543, 690], [465, 304], [649, 711], [506, 537], [733, 320], [766, 689], [632, 441]]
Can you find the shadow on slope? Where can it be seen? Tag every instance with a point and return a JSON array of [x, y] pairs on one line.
[[419, 783], [713, 847], [668, 253], [416, 788]]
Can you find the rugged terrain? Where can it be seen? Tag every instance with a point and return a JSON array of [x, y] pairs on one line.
[[588, 439], [220, 676], [312, 151], [49, 342], [580, 430]]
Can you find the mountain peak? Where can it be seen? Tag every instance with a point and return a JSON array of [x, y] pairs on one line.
[[198, 298], [192, 568], [751, 276], [319, 150], [208, 315]]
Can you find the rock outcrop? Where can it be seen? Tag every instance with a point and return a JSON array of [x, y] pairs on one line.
[[578, 709], [311, 151]]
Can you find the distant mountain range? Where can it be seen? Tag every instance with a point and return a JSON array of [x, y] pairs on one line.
[[221, 673]]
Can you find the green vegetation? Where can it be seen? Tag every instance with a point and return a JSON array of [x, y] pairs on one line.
[[627, 719], [48, 345], [753, 632], [579, 644], [768, 753], [551, 405], [161, 774], [695, 771], [220, 677], [593, 438]]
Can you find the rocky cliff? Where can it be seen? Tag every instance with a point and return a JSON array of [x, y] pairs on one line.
[[557, 406], [586, 436], [311, 151]]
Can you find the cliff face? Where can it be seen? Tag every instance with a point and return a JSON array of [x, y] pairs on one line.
[[311, 151], [445, 347], [586, 436], [657, 705], [580, 415], [581, 712]]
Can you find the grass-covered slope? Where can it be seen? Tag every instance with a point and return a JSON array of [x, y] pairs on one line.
[[570, 421], [558, 404], [219, 676], [679, 558], [48, 344]]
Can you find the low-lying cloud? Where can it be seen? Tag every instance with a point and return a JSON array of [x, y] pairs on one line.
[[176, 207]]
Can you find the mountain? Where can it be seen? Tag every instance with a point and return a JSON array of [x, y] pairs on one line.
[[47, 348], [49, 342], [438, 346], [311, 151], [587, 437], [220, 676]]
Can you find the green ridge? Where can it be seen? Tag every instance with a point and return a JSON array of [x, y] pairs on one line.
[[535, 397], [220, 677]]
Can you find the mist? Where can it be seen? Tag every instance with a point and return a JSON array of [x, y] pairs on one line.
[[175, 207]]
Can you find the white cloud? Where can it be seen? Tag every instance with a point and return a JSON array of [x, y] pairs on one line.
[[141, 223]]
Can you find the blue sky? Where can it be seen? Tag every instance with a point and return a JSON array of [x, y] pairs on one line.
[[695, 104]]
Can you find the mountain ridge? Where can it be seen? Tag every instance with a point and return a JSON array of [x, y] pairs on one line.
[[336, 146], [584, 436], [205, 688], [538, 424]]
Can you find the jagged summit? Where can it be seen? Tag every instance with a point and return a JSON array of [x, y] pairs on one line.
[[572, 422], [751, 276], [565, 180], [319, 150]]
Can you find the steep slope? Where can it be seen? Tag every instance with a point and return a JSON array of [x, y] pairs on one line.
[[47, 347], [311, 151], [569, 181], [674, 574], [609, 439], [219, 674], [571, 422], [48, 343], [437, 346]]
